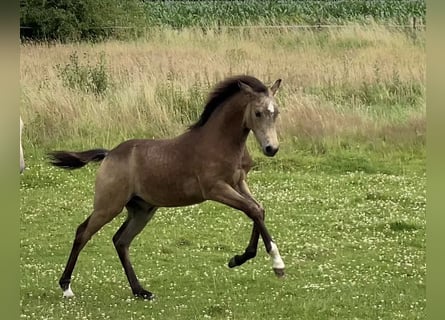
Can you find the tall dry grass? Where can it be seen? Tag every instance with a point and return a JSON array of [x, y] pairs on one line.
[[340, 86]]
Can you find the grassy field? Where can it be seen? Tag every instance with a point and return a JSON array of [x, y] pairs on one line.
[[342, 88], [353, 244], [344, 197]]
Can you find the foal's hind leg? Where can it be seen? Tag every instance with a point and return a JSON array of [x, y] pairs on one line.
[[83, 234], [139, 213]]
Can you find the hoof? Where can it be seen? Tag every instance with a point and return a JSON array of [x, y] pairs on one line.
[[144, 294], [232, 263], [279, 272]]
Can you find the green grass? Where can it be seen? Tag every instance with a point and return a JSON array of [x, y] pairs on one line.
[[352, 238]]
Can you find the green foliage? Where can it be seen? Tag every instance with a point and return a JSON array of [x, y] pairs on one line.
[[179, 14], [86, 77], [70, 20]]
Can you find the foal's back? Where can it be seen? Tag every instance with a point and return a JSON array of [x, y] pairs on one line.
[[158, 171]]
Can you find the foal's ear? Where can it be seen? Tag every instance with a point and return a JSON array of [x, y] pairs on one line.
[[246, 88], [275, 86]]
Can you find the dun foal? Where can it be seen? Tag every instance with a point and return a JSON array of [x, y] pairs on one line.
[[207, 162]]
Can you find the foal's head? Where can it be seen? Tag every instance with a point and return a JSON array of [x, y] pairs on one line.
[[260, 116]]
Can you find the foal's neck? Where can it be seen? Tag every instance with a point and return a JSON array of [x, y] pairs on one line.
[[226, 126]]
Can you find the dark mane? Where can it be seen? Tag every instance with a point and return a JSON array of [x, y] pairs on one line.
[[223, 91]]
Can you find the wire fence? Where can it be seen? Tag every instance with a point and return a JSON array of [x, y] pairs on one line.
[[26, 33], [414, 25]]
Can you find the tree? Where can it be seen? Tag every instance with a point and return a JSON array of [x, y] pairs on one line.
[[72, 20]]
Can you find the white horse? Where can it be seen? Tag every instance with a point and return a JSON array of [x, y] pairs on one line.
[[22, 160]]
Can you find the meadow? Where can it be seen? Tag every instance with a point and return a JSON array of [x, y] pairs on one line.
[[344, 197], [353, 244]]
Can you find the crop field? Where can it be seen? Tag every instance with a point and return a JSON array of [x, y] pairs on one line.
[[96, 19], [345, 196], [181, 14]]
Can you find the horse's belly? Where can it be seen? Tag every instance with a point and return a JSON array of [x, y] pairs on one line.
[[171, 193]]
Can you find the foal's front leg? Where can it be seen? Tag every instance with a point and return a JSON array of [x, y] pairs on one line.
[[252, 247], [250, 251], [224, 193]]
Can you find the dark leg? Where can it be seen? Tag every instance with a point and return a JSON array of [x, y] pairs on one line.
[[250, 251], [252, 247], [78, 244], [139, 214], [83, 234], [224, 193]]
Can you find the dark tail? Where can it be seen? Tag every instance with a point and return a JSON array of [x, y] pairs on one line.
[[75, 160]]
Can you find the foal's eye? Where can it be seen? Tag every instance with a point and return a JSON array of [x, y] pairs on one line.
[[257, 114]]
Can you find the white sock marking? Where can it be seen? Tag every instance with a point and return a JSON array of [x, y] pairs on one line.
[[68, 293], [277, 262]]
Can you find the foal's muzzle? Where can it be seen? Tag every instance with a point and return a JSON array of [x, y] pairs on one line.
[[270, 151]]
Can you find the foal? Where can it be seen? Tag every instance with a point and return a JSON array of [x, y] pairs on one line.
[[207, 162]]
